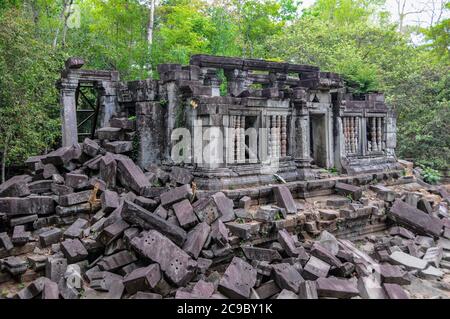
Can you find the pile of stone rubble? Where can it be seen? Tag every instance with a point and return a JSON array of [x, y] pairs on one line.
[[89, 223]]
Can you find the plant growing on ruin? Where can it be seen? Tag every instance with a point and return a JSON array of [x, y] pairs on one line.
[[430, 175]]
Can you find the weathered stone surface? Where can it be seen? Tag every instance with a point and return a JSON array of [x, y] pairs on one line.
[[400, 231], [123, 123], [268, 213], [287, 242], [238, 279], [424, 206], [142, 279], [15, 187], [431, 273], [117, 260], [40, 187], [370, 288], [22, 220], [76, 229], [62, 156], [74, 198], [113, 231], [287, 277], [185, 214], [108, 170], [434, 256], [287, 294], [284, 199], [110, 133], [20, 236], [146, 295], [244, 231], [5, 241], [40, 205], [77, 181], [315, 268], [336, 288], [322, 253], [90, 147], [77, 209], [55, 268], [245, 203], [329, 242], [73, 250], [175, 195], [219, 232], [180, 175], [135, 214], [393, 274], [414, 218], [410, 262], [203, 289], [110, 201], [383, 193], [263, 254], [176, 264], [206, 210], [119, 147], [131, 176], [50, 237], [224, 206], [394, 291], [307, 290], [196, 239], [50, 290], [348, 190], [15, 265], [267, 289], [147, 203]]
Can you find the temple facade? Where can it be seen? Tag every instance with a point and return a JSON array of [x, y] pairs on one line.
[[235, 122]]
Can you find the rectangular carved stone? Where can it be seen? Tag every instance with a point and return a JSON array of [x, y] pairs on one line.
[[135, 214], [15, 187], [315, 268], [90, 147], [196, 239], [74, 198], [131, 176], [238, 279], [268, 289], [394, 291], [113, 231], [348, 190], [287, 277], [116, 261], [336, 288], [175, 195], [224, 206], [5, 241], [110, 201], [119, 147], [73, 250], [76, 229], [40, 205], [108, 170], [176, 264], [142, 279], [284, 199], [20, 237], [63, 155], [416, 219], [50, 237], [185, 214], [206, 210], [307, 290]]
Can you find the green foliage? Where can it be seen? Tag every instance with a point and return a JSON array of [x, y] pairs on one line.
[[430, 175], [29, 112]]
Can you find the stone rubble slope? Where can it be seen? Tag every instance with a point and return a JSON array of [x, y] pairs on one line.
[[87, 222]]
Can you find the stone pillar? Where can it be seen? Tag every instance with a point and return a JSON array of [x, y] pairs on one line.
[[283, 136], [108, 102], [69, 128], [302, 151], [210, 77]]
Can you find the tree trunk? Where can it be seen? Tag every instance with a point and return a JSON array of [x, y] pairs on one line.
[[150, 24], [62, 21], [4, 154]]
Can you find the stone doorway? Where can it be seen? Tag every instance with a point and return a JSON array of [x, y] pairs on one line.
[[318, 139]]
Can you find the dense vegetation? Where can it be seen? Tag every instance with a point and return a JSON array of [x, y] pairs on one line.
[[350, 37]]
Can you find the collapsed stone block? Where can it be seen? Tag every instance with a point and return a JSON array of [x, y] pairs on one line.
[[287, 277], [50, 237], [131, 176], [336, 288], [142, 279], [238, 279], [196, 239], [284, 199], [176, 195], [73, 250], [185, 214], [16, 186], [176, 264], [348, 190]]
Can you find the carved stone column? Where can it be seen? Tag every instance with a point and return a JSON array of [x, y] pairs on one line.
[[68, 112]]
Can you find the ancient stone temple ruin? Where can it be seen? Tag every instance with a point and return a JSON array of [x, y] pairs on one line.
[[225, 178], [249, 111]]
